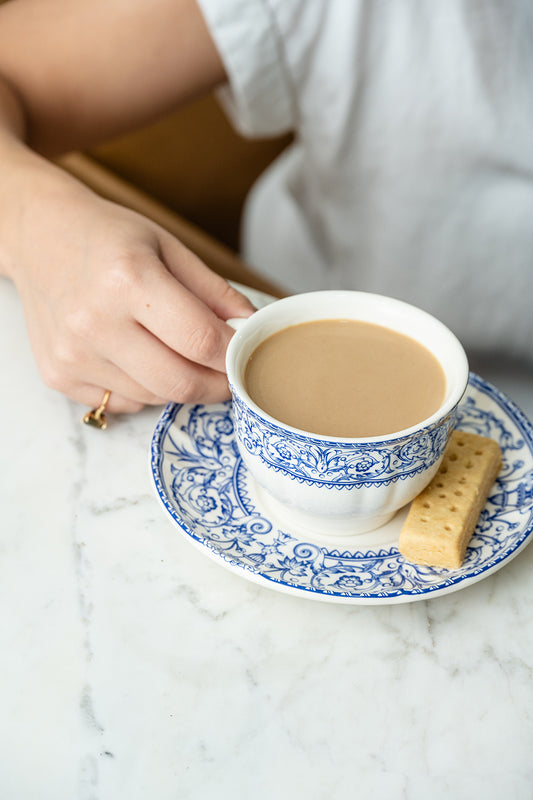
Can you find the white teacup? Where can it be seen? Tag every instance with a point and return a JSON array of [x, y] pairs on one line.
[[342, 485]]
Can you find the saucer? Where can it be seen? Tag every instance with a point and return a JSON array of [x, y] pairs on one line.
[[206, 490]]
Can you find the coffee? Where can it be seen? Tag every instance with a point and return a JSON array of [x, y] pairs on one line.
[[345, 378]]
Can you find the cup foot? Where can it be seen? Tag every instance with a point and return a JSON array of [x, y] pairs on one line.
[[305, 523]]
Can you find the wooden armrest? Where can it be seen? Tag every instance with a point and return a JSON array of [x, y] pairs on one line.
[[217, 256]]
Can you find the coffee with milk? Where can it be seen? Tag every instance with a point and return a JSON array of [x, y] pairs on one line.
[[344, 378]]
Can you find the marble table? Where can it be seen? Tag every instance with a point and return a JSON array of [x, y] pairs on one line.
[[132, 666]]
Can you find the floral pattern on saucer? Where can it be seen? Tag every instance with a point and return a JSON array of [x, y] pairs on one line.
[[206, 491]]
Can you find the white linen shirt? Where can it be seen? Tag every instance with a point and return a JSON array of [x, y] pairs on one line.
[[412, 170]]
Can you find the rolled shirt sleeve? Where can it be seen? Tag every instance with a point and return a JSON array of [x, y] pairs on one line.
[[258, 98]]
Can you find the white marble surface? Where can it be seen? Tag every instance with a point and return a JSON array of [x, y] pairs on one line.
[[132, 666]]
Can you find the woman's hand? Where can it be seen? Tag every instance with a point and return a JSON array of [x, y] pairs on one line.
[[112, 301]]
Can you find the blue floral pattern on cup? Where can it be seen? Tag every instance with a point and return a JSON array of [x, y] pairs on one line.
[[317, 463]]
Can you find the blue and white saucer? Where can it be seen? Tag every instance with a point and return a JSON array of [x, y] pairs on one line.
[[207, 492]]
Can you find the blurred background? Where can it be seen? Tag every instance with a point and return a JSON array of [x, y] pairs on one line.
[[195, 163]]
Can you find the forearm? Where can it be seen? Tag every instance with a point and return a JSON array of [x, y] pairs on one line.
[[24, 175], [91, 71], [128, 63]]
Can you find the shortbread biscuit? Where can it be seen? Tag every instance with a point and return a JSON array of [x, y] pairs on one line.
[[443, 517]]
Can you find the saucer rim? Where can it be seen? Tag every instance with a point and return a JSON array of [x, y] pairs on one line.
[[455, 582]]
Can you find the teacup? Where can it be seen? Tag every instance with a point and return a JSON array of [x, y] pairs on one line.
[[330, 484]]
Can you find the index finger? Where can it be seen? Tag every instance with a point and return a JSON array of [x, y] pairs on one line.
[[194, 274], [180, 319]]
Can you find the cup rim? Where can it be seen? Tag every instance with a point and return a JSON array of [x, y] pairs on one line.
[[447, 407]]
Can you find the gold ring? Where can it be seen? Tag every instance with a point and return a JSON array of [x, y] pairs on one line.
[[97, 418]]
